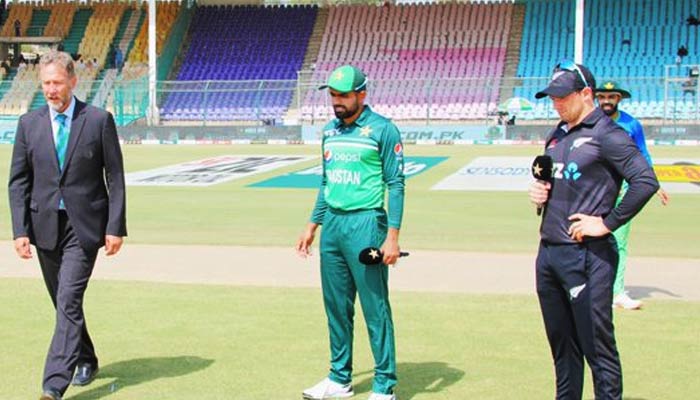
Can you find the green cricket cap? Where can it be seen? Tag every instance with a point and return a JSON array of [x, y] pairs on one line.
[[613, 87], [346, 79]]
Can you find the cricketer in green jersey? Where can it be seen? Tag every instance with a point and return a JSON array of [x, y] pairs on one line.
[[609, 96], [362, 158]]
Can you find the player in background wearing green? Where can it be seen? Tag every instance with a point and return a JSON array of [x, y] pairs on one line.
[[609, 95], [362, 158]]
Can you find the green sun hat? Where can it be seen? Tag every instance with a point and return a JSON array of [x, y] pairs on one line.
[[613, 87], [346, 79]]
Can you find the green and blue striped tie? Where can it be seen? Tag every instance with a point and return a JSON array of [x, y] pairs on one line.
[[61, 140]]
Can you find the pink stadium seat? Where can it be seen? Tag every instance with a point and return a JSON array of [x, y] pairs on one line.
[[404, 46]]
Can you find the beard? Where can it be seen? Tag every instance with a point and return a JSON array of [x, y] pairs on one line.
[[609, 111], [56, 105], [341, 112]]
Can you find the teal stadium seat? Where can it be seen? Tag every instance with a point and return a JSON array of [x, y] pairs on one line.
[[654, 28]]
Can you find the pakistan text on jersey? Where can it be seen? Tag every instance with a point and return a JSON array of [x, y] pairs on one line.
[[344, 177]]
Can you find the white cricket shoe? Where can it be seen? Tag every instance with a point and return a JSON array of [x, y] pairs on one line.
[[327, 389], [379, 396], [623, 300]]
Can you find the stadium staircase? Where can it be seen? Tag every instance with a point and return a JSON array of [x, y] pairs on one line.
[[40, 19], [7, 82], [37, 101], [315, 39], [175, 44], [99, 80], [128, 30], [106, 80], [124, 38], [513, 50], [179, 58], [310, 60]]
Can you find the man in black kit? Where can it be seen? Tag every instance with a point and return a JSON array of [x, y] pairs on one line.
[[577, 256]]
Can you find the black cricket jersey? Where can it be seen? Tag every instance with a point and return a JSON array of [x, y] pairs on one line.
[[590, 162]]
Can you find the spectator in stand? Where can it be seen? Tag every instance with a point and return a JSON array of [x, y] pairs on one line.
[[3, 5], [5, 66], [118, 59], [18, 32]]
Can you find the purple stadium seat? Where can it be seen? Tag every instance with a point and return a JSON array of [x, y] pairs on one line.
[[243, 43]]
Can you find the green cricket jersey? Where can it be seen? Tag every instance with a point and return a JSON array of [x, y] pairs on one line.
[[360, 162]]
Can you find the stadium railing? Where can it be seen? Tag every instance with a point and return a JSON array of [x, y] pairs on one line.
[[258, 102]]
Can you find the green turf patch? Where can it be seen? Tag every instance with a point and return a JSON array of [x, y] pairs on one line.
[[234, 214], [168, 341]]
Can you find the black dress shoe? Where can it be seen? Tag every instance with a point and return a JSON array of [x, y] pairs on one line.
[[84, 374], [50, 395]]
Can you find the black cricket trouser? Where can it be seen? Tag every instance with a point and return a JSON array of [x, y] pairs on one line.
[[574, 287], [66, 270]]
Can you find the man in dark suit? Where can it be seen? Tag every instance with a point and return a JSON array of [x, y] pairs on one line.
[[67, 198]]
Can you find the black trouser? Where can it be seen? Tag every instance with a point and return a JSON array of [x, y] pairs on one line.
[[66, 271], [574, 286]]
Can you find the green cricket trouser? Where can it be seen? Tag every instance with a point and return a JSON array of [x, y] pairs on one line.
[[344, 234], [621, 236]]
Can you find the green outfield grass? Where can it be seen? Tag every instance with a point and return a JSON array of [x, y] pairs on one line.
[[233, 214], [166, 341]]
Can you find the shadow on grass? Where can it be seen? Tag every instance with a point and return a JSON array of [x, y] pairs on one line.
[[137, 371], [646, 292], [416, 378]]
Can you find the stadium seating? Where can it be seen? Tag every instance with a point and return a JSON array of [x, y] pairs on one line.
[[442, 61], [622, 39], [61, 19], [423, 60], [18, 12], [166, 13], [101, 30], [18, 97], [241, 43]]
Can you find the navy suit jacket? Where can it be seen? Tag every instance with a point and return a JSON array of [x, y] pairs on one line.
[[91, 183]]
